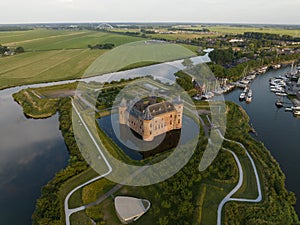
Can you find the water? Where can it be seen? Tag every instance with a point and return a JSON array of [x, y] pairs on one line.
[[131, 146], [277, 129], [31, 152]]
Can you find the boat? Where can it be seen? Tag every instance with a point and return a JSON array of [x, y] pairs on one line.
[[296, 113], [249, 96], [296, 108], [251, 77], [250, 93], [279, 103], [288, 109], [277, 66], [242, 96], [281, 94], [248, 99]]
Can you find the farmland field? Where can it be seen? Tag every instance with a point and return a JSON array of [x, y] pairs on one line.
[[54, 40], [38, 67], [241, 30], [52, 55]]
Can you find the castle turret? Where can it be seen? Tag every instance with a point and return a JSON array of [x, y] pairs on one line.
[[178, 104], [148, 126], [122, 110]]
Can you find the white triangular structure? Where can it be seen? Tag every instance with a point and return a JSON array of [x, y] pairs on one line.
[[130, 209]]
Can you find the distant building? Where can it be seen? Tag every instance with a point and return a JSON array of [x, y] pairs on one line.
[[236, 40], [150, 118]]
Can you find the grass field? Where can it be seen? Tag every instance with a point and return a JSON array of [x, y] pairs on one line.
[[38, 67], [137, 52], [52, 55], [52, 40], [59, 55], [182, 36]]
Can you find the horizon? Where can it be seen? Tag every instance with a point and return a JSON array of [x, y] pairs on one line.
[[150, 22], [193, 11]]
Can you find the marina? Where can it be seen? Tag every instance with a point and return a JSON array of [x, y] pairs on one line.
[[287, 86], [276, 128]]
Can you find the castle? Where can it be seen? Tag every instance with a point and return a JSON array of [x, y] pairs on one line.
[[150, 118]]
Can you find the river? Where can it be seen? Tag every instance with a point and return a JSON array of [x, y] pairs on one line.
[[31, 152], [277, 129]]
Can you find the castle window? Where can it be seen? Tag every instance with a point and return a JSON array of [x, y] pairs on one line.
[[171, 116], [179, 121]]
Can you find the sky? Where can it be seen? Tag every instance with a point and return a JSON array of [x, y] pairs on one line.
[[200, 11]]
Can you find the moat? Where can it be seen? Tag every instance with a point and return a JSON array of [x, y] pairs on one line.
[[128, 140]]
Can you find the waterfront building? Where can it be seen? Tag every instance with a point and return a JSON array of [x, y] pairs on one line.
[[150, 118]]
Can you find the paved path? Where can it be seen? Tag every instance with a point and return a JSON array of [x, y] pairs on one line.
[[240, 182], [69, 212]]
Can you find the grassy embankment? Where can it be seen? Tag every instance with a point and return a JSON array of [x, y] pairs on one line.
[[277, 205]]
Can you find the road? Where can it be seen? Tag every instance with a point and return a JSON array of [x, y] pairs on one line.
[[240, 182]]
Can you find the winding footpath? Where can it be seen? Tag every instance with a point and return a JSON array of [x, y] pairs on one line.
[[69, 212], [240, 182]]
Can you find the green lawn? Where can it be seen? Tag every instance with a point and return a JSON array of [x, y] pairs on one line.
[[38, 67], [52, 40], [137, 52], [12, 38], [249, 187]]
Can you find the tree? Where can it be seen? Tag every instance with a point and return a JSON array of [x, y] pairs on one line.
[[19, 50]]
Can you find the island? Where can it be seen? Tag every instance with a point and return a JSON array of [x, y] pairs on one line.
[[243, 185]]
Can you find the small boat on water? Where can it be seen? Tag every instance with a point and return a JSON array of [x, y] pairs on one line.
[[250, 93], [279, 103], [249, 96], [296, 113], [288, 109], [248, 99], [296, 108], [281, 94], [242, 96]]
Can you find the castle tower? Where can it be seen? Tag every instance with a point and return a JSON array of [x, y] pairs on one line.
[[122, 111], [178, 104], [148, 127]]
